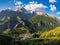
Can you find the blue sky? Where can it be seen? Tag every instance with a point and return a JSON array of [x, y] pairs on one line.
[[51, 6]]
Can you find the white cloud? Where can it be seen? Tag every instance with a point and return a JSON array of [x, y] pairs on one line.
[[52, 7], [17, 8], [18, 3], [52, 1], [32, 2], [34, 6], [58, 13], [9, 8]]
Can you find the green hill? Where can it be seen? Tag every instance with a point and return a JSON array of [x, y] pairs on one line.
[[54, 33], [44, 22]]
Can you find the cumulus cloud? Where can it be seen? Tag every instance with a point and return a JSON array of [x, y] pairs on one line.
[[18, 3], [34, 6], [17, 8], [52, 1], [52, 7], [9, 8], [32, 2], [58, 13]]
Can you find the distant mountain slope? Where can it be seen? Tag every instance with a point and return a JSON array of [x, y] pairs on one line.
[[11, 18], [23, 14], [9, 22]]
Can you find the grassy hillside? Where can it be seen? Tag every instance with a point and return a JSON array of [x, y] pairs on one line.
[[44, 22], [54, 33]]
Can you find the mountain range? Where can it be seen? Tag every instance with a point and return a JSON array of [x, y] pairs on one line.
[[24, 25]]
